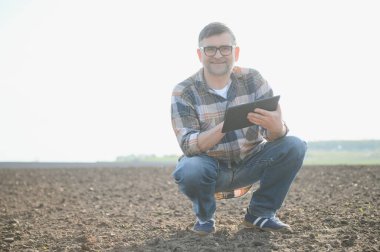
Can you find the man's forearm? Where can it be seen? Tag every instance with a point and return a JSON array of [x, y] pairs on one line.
[[208, 139]]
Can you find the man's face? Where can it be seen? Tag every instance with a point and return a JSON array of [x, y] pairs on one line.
[[220, 63]]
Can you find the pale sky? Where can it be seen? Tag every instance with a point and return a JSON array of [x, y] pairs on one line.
[[91, 80]]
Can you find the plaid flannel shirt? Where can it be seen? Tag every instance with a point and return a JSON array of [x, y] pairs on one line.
[[196, 108]]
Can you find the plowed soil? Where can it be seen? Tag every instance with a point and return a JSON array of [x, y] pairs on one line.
[[330, 208]]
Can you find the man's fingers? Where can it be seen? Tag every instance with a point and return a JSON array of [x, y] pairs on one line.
[[266, 112], [255, 118], [261, 111], [254, 115]]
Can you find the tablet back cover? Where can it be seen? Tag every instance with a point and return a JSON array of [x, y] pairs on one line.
[[235, 117]]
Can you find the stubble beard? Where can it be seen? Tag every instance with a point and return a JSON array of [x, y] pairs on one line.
[[219, 69]]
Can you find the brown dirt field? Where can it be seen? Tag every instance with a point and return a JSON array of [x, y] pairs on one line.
[[330, 208]]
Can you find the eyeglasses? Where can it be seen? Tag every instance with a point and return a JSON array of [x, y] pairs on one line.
[[224, 50]]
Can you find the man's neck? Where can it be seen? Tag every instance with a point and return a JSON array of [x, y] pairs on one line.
[[216, 82]]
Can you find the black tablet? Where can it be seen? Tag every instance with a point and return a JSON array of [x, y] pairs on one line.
[[235, 117]]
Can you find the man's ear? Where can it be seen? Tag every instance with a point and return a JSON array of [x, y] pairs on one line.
[[199, 54], [237, 52]]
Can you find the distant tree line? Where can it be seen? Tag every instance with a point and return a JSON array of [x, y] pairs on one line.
[[147, 158], [345, 145], [319, 152]]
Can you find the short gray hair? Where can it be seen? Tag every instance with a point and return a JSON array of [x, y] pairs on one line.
[[215, 28]]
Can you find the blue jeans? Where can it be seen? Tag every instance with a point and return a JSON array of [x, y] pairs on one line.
[[275, 166]]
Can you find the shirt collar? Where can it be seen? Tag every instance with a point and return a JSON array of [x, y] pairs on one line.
[[201, 82]]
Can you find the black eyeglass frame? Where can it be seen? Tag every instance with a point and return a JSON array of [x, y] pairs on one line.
[[203, 48]]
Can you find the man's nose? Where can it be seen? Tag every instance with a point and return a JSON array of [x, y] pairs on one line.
[[218, 54]]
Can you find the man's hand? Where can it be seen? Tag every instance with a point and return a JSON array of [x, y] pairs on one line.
[[270, 120], [208, 139]]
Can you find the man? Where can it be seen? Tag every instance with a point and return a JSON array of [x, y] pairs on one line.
[[218, 162]]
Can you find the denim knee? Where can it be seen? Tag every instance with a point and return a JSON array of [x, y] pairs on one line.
[[191, 172], [297, 146]]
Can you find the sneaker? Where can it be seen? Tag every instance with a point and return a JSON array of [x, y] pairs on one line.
[[205, 228], [267, 224]]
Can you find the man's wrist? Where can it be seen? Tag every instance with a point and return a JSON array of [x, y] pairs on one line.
[[274, 136], [285, 130]]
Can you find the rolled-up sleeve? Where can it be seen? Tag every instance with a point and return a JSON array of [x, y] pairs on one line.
[[185, 123]]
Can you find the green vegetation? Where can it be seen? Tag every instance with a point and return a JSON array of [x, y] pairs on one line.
[[344, 152], [342, 157], [345, 145]]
